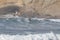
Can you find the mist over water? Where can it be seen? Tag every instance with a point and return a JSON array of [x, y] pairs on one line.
[[29, 29]]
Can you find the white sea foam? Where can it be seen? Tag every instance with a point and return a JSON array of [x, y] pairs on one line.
[[55, 20], [27, 19], [44, 36], [42, 19]]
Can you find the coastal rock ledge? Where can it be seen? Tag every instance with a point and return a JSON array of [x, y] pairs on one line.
[[31, 8]]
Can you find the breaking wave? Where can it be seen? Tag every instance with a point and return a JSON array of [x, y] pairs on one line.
[[44, 36], [8, 16], [20, 28], [27, 19]]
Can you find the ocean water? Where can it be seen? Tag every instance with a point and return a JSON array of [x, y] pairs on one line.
[[29, 29]]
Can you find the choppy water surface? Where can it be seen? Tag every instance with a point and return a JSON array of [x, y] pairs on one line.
[[25, 26]]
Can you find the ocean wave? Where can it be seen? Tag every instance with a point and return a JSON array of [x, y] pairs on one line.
[[54, 20], [8, 16], [44, 36], [39, 19], [15, 24], [44, 19]]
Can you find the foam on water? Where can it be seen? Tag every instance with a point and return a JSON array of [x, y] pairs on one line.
[[27, 19], [26, 24], [41, 19], [31, 27], [55, 20], [44, 36]]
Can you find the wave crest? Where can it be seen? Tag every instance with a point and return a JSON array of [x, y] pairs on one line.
[[45, 36]]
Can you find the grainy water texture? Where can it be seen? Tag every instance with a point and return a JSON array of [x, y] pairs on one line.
[[29, 29]]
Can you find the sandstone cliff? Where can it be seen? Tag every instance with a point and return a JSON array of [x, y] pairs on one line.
[[35, 8]]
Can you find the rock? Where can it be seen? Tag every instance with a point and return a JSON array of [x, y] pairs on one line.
[[34, 7], [9, 10]]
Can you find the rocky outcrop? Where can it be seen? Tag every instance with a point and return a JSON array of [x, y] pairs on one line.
[[9, 10], [35, 8]]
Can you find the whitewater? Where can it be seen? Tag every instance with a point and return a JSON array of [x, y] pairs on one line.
[[21, 28], [46, 36]]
